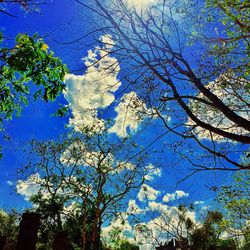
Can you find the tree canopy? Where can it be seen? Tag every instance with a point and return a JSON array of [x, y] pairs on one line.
[[154, 47], [28, 62]]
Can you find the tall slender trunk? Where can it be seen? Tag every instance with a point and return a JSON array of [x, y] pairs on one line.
[[84, 229], [95, 238], [3, 241]]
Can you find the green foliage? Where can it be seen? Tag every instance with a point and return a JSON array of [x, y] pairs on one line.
[[228, 244], [62, 111], [9, 223], [207, 236], [50, 210], [54, 219], [231, 45], [73, 225], [126, 245], [246, 245], [118, 242], [236, 199], [80, 185], [234, 12], [28, 61], [235, 202]]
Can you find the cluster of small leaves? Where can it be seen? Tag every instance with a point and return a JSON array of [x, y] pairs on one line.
[[236, 200], [233, 33], [236, 12], [28, 62]]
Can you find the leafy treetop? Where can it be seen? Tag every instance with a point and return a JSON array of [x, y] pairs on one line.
[[29, 61]]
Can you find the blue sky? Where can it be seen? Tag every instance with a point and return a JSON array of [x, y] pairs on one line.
[[62, 21]]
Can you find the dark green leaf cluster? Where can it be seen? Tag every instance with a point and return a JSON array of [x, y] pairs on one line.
[[9, 222], [208, 235]]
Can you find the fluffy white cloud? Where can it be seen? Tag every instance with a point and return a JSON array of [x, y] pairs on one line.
[[159, 222], [205, 208], [95, 89], [152, 172], [147, 193], [157, 206], [133, 208], [174, 196], [131, 111], [232, 91], [29, 187]]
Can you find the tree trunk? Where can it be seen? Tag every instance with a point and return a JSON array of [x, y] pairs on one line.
[[61, 241], [84, 230], [3, 240], [27, 237], [95, 239]]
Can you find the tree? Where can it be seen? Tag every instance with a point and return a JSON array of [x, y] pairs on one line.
[[234, 201], [154, 45], [28, 61], [27, 5], [170, 223], [9, 222], [234, 15], [81, 175], [125, 245], [208, 235]]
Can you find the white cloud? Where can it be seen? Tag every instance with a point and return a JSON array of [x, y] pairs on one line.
[[147, 193], [157, 206], [232, 91], [75, 151], [174, 196], [29, 187], [122, 166], [198, 202], [133, 208], [35, 184], [131, 111], [95, 89], [152, 172]]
